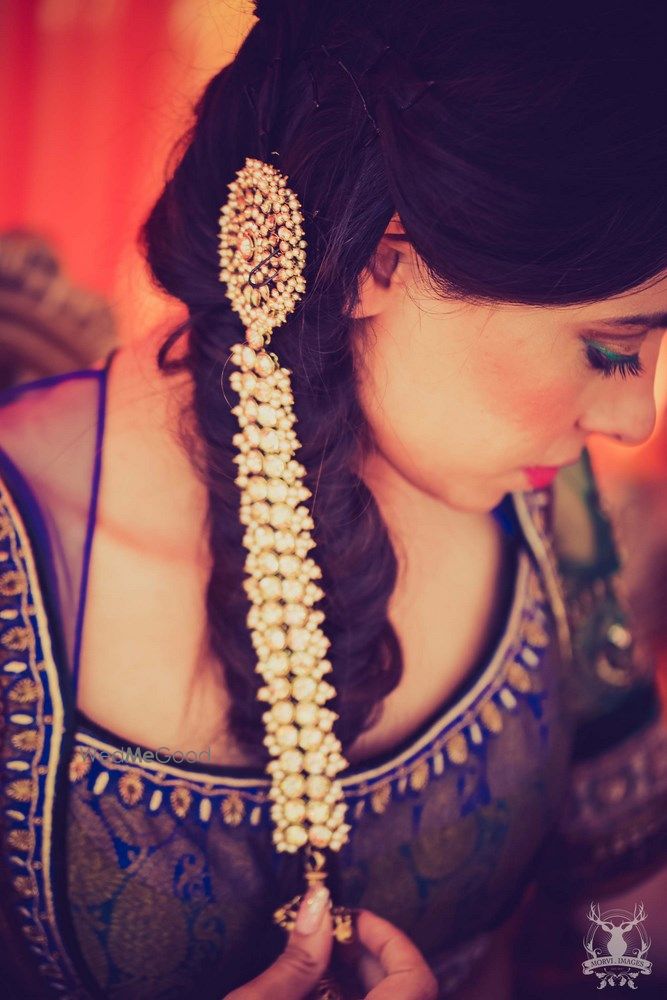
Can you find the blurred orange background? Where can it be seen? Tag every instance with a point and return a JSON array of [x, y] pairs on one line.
[[93, 94]]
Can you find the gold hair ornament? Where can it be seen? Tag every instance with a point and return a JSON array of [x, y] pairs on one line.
[[262, 258]]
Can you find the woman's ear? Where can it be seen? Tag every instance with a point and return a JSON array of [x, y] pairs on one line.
[[377, 283]]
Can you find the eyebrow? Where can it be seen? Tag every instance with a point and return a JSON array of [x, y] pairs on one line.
[[648, 320]]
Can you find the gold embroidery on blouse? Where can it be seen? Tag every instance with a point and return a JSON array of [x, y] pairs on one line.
[[25, 690], [181, 799], [17, 639], [130, 788], [27, 836], [456, 748], [79, 766], [11, 583], [27, 740], [20, 790], [21, 840]]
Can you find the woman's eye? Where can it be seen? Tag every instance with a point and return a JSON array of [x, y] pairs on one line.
[[609, 363]]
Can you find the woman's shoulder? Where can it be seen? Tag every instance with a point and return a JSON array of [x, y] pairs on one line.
[[51, 421]]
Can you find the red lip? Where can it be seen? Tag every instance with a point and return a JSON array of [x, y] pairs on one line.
[[541, 476]]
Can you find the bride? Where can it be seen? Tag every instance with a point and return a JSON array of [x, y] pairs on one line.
[[482, 288]]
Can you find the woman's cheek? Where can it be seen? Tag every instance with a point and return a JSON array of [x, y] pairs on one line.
[[529, 401]]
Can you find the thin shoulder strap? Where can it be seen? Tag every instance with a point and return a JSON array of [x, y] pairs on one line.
[[92, 514]]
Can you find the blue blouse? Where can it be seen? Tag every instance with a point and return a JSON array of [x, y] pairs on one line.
[[130, 877]]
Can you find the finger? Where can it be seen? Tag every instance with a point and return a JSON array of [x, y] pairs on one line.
[[298, 969], [392, 948], [412, 985], [406, 973]]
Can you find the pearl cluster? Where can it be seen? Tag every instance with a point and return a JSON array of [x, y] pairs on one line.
[[261, 233]]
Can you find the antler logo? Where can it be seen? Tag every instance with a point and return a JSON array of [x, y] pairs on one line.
[[617, 961]]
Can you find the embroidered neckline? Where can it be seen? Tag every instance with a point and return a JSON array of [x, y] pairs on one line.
[[511, 674], [32, 705]]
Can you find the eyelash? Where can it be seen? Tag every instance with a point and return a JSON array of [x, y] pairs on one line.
[[608, 364]]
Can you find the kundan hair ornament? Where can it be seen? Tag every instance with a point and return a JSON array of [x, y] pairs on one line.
[[262, 258]]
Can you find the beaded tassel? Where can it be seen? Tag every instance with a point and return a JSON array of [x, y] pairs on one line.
[[262, 259]]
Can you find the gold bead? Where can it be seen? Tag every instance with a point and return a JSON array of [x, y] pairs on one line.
[[278, 663], [295, 810], [276, 638], [298, 638], [293, 590], [310, 738], [266, 415], [307, 713], [248, 357], [283, 712], [304, 688], [295, 614], [314, 762], [258, 488], [296, 835], [277, 490], [291, 761], [318, 786], [293, 785], [318, 812], [287, 736], [319, 835], [274, 466], [264, 364]]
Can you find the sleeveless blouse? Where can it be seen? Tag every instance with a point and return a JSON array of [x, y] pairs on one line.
[[132, 876]]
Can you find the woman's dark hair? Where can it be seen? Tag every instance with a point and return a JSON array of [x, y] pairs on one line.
[[532, 171]]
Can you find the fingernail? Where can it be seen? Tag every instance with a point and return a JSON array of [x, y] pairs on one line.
[[312, 909]]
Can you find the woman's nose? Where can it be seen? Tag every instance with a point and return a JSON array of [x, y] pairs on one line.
[[623, 412]]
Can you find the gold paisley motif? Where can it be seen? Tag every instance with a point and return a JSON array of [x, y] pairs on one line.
[[456, 748], [419, 777], [131, 788], [518, 677], [20, 790], [24, 691], [4, 526], [491, 716], [17, 638], [24, 886], [27, 740], [233, 809], [20, 840], [12, 583], [380, 798], [535, 634], [180, 799], [79, 766]]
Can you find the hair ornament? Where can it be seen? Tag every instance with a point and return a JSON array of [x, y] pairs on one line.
[[262, 260]]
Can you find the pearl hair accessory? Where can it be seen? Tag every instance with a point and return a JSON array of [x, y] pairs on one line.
[[262, 258]]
